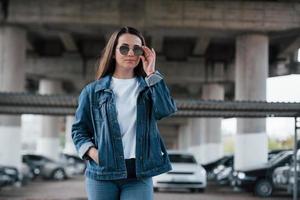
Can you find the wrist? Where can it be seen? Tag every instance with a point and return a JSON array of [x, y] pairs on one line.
[[91, 151], [150, 73]]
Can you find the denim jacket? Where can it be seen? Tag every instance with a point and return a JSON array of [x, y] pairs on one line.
[[96, 125]]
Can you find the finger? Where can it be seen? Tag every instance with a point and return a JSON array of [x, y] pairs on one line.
[[144, 61], [143, 58], [154, 52], [147, 50]]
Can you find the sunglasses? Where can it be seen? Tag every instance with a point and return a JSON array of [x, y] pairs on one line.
[[137, 50]]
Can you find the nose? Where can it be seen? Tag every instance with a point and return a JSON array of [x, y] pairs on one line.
[[130, 52]]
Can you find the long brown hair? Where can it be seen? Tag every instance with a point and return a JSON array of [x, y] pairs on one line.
[[108, 63]]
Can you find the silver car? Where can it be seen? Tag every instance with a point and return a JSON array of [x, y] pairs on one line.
[[48, 168]]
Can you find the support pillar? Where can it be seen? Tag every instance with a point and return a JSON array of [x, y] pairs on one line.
[[206, 142], [12, 79], [251, 145], [48, 143], [183, 137], [69, 145]]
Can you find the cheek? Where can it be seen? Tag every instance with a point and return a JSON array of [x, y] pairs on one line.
[[138, 61], [118, 57]]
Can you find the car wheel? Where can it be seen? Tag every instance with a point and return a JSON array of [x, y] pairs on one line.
[[193, 190], [201, 190], [263, 188], [58, 174], [155, 189]]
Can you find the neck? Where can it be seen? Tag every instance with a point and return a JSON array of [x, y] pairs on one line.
[[123, 74]]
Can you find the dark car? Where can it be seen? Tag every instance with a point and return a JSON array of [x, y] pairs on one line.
[[284, 177], [259, 179], [281, 177], [274, 152], [224, 177], [47, 168], [209, 167], [8, 176], [224, 166], [291, 181]]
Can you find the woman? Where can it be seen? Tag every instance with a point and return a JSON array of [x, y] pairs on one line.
[[115, 125]]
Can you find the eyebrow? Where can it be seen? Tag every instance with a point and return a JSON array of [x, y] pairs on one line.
[[133, 45]]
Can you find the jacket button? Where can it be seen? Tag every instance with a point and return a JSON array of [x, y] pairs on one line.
[[141, 157]]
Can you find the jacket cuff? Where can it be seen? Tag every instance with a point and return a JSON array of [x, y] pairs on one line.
[[83, 150], [153, 78]]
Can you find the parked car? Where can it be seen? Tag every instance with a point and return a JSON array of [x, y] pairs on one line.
[[281, 177], [26, 175], [290, 175], [224, 177], [284, 177], [291, 180], [209, 167], [8, 176], [259, 179], [225, 164], [222, 173], [74, 161], [281, 174], [47, 168], [186, 174], [273, 153]]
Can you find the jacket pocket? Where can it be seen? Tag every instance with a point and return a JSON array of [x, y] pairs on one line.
[[152, 153], [106, 158]]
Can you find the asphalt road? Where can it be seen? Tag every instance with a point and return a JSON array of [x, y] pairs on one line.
[[74, 189]]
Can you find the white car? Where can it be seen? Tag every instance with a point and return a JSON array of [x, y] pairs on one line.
[[186, 173]]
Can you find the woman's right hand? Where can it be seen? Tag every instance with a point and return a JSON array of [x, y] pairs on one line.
[[93, 154]]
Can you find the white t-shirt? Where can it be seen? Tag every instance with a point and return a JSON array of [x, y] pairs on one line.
[[126, 92]]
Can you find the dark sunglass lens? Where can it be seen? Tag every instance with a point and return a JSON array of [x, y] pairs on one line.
[[138, 51], [124, 50]]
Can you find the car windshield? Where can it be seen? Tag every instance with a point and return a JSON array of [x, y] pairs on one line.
[[180, 158], [277, 158]]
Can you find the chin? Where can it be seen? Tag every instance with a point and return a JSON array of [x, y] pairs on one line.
[[130, 66]]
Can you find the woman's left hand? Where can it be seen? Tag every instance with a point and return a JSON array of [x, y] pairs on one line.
[[148, 60]]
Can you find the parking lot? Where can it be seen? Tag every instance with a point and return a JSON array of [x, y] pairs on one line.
[[73, 189]]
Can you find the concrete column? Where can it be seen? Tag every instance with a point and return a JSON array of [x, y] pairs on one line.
[[212, 147], [251, 75], [183, 137], [12, 79], [206, 142], [170, 134], [197, 128], [48, 143], [69, 145]]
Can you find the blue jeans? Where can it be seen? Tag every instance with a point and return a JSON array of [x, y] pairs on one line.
[[126, 189]]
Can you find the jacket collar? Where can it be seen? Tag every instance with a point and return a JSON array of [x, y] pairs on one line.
[[104, 83]]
